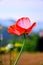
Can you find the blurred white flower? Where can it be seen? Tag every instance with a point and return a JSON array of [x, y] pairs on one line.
[[9, 46]]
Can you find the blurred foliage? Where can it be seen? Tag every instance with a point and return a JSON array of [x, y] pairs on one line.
[[30, 44], [1, 27]]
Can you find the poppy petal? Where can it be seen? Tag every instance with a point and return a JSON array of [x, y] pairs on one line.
[[23, 22], [29, 29], [21, 30], [15, 30], [12, 29]]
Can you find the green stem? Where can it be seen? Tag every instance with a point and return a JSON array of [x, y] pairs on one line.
[[19, 53]]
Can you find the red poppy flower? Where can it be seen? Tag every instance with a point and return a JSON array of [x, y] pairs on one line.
[[22, 26]]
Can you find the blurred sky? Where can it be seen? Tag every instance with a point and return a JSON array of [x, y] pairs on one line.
[[18, 8]]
